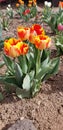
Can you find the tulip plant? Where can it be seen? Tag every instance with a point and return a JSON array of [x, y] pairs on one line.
[[59, 43], [9, 11], [53, 19], [28, 61], [26, 12]]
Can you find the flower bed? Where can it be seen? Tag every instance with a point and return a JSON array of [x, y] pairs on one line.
[[45, 109]]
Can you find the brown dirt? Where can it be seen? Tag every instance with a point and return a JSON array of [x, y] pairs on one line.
[[45, 109]]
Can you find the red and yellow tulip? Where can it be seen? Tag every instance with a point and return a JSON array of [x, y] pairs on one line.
[[42, 42], [38, 29], [15, 47], [23, 32], [35, 30]]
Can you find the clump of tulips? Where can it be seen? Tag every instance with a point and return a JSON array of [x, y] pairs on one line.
[[59, 43], [53, 19], [27, 12], [28, 62]]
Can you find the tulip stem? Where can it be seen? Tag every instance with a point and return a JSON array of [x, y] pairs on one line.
[[38, 62]]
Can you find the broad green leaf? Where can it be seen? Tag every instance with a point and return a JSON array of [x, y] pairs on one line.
[[45, 55], [55, 65], [42, 72], [44, 69], [23, 64], [45, 62], [31, 74], [2, 63], [35, 87], [30, 61], [26, 83], [9, 63], [1, 44], [8, 80], [1, 96], [18, 73], [21, 93], [53, 69]]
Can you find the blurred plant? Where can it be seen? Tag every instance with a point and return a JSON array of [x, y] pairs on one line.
[[5, 22], [32, 3], [0, 31], [1, 44], [26, 12], [1, 38], [28, 61], [29, 13], [53, 19], [9, 11], [59, 43], [46, 13]]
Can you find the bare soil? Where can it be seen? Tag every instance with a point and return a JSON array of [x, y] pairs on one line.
[[46, 108]]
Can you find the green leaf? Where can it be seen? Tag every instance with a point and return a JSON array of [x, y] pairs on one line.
[[8, 80], [45, 62], [9, 63], [33, 11], [44, 69], [35, 87], [1, 96], [26, 83], [48, 69], [18, 73], [30, 63], [23, 64], [53, 69], [21, 93], [45, 55], [1, 44], [42, 72], [31, 74], [2, 63], [55, 65]]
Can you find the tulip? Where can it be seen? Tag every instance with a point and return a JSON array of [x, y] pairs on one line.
[[27, 11], [17, 5], [15, 47], [35, 30], [42, 42], [48, 4], [60, 27], [23, 32]]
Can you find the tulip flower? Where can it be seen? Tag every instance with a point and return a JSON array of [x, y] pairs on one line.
[[27, 11], [60, 27], [42, 42], [35, 30], [48, 4], [23, 32], [17, 5], [15, 47]]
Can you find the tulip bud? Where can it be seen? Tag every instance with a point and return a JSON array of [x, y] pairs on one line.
[[60, 27]]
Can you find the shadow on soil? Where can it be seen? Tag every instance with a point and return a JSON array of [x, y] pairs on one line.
[[6, 127]]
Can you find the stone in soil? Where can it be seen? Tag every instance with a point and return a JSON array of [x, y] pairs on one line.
[[24, 124]]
